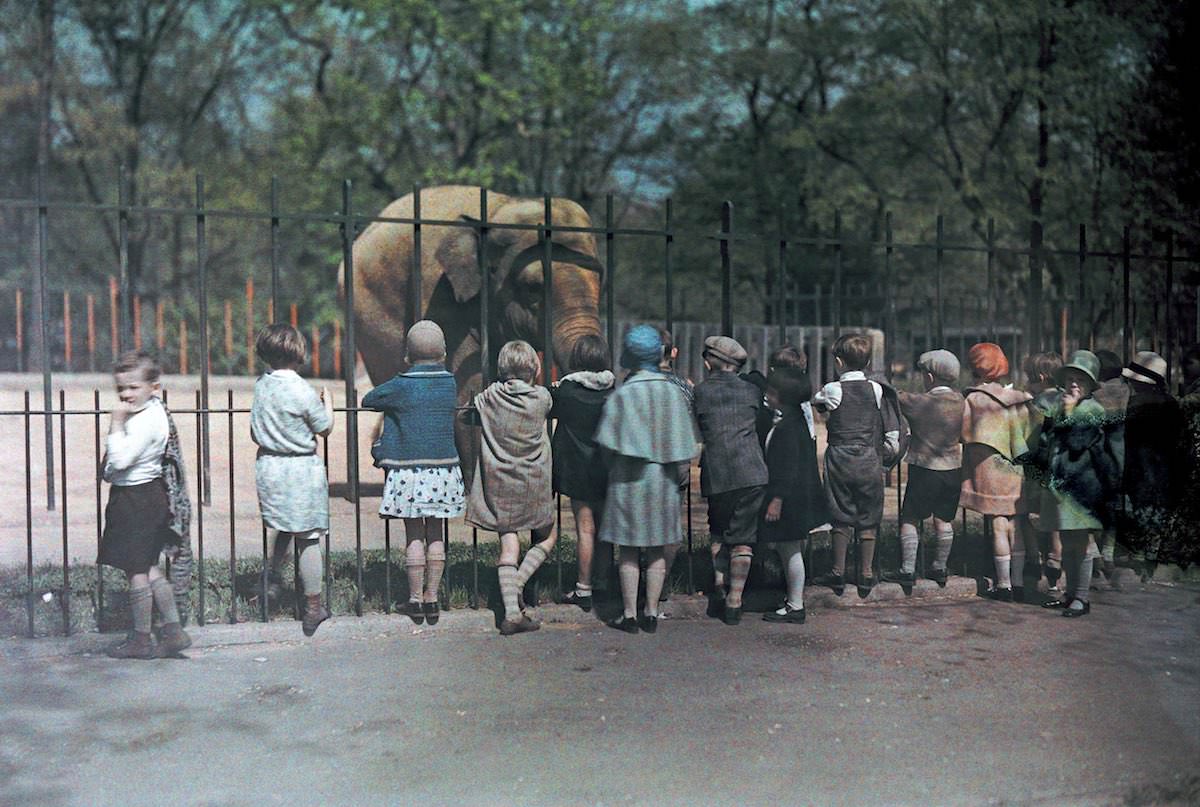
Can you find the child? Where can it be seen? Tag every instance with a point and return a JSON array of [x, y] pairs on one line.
[[732, 469], [934, 465], [856, 437], [511, 488], [138, 518], [795, 501], [578, 469], [996, 430], [666, 366], [424, 483], [646, 428], [1041, 370], [286, 418], [1084, 478]]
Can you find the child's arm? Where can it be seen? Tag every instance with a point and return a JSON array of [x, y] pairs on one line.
[[828, 397], [318, 411], [130, 438], [381, 397], [327, 402]]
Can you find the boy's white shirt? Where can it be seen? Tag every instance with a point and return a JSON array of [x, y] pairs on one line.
[[135, 454], [830, 396]]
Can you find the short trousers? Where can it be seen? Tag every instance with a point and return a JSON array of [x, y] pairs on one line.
[[733, 515], [930, 493]]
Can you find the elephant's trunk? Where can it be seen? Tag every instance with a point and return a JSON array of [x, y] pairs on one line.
[[576, 300]]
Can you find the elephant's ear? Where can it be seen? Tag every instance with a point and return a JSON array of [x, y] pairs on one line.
[[458, 257]]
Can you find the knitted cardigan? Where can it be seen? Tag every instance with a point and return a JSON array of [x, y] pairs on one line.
[[418, 418]]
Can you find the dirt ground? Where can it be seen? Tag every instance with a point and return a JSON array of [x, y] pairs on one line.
[[232, 515]]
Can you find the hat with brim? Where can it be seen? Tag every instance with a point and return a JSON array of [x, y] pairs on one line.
[[1147, 367], [725, 348], [1084, 361]]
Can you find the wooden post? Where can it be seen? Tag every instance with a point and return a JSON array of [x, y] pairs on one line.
[[228, 328], [295, 316], [270, 311], [91, 332], [20, 304], [137, 322], [250, 326], [1063, 321], [337, 348], [183, 356], [67, 330], [316, 352], [160, 330], [113, 298]]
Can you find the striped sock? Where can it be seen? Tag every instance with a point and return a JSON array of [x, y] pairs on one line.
[[739, 570], [509, 590], [141, 603], [908, 548], [435, 564], [414, 567], [533, 561], [164, 597], [945, 542], [1003, 564]]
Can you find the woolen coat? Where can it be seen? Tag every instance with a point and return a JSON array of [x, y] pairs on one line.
[[727, 409], [997, 427], [793, 476], [579, 400], [511, 490]]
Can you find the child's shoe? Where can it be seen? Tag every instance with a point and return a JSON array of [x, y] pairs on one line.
[[575, 598], [433, 612], [906, 580], [864, 587], [413, 610], [938, 576], [833, 581], [788, 614], [716, 604], [524, 624], [173, 641], [314, 614], [136, 645]]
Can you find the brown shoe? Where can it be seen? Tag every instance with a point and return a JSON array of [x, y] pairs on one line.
[[136, 645], [173, 641], [314, 614], [511, 627]]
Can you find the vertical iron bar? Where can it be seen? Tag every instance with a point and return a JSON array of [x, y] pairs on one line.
[[444, 594], [474, 568], [1034, 342], [610, 274], [485, 292], [275, 312], [266, 567], [349, 231], [387, 562], [939, 259], [1127, 329], [547, 296], [780, 302], [889, 322], [232, 522], [726, 269], [200, 507], [126, 307], [688, 498], [1169, 313], [991, 280], [99, 513], [1080, 325], [328, 571], [44, 334], [837, 274], [202, 291], [28, 517], [66, 549], [414, 271], [668, 270], [558, 543]]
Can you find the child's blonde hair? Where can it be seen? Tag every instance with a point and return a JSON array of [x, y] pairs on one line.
[[854, 349], [517, 359], [132, 360]]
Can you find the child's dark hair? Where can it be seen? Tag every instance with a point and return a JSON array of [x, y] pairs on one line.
[[1043, 365], [668, 343], [132, 360], [854, 349], [1110, 365], [589, 354], [517, 359], [281, 345], [788, 355], [791, 385]]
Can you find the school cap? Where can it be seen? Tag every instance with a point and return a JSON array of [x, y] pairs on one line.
[[725, 348], [941, 364]]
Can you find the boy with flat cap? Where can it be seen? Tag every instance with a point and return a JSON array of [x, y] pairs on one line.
[[732, 470]]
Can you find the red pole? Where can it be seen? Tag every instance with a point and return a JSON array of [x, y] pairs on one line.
[[316, 351], [337, 348], [250, 325], [228, 328], [183, 357], [160, 332], [67, 329], [295, 316], [137, 322]]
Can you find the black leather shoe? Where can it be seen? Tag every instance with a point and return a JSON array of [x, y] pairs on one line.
[[792, 616], [649, 624], [574, 598], [414, 611], [732, 616], [626, 623], [865, 586], [1001, 594], [432, 612], [716, 605], [834, 581], [938, 576], [903, 578], [1055, 602], [1071, 613]]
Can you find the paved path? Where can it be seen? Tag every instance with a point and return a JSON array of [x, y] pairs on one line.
[[960, 702]]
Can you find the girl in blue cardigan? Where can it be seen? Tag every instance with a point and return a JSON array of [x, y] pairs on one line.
[[424, 482]]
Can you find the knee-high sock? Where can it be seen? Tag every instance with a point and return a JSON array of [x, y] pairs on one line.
[[533, 561], [739, 570], [656, 576], [312, 571], [279, 550], [435, 564], [414, 567], [866, 553], [792, 555], [1003, 567], [1083, 578], [627, 569], [908, 548], [718, 571], [509, 591], [840, 537], [945, 542], [141, 603], [164, 599]]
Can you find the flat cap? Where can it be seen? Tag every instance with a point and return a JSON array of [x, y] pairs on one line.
[[725, 348], [941, 364]]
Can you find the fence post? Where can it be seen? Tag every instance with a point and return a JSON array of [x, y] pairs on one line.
[[726, 269], [836, 313], [939, 258], [294, 316], [348, 232], [65, 601], [28, 517], [44, 332], [889, 335], [315, 339], [1127, 329], [1170, 312], [202, 292], [485, 294], [610, 275], [1034, 342], [201, 583], [547, 236], [991, 280], [274, 301], [122, 341]]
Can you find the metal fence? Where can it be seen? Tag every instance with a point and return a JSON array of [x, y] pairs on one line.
[[906, 325]]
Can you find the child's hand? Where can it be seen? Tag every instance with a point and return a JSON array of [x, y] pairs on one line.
[[1070, 398], [325, 396], [120, 413], [774, 509]]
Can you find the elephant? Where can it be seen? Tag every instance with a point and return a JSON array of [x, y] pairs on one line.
[[451, 285]]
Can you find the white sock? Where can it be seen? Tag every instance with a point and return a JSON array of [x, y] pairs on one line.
[[792, 555], [1003, 563], [627, 568], [945, 542], [656, 576], [908, 548]]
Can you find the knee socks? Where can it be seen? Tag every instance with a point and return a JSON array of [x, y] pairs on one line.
[[312, 569], [414, 567], [1003, 566], [141, 603], [945, 542], [840, 537], [656, 576], [866, 553], [1083, 578], [718, 568], [739, 570], [908, 548], [509, 590], [164, 599], [534, 558], [792, 555], [627, 568], [435, 564], [279, 550]]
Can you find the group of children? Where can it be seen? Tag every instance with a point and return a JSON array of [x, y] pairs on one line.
[[623, 455]]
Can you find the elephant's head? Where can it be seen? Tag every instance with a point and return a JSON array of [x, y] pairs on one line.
[[514, 262]]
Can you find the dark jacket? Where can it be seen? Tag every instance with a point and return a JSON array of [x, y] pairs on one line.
[[726, 409], [791, 459], [418, 418], [578, 471], [1154, 443]]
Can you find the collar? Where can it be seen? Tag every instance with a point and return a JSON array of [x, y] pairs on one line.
[[284, 372], [853, 375], [941, 388]]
